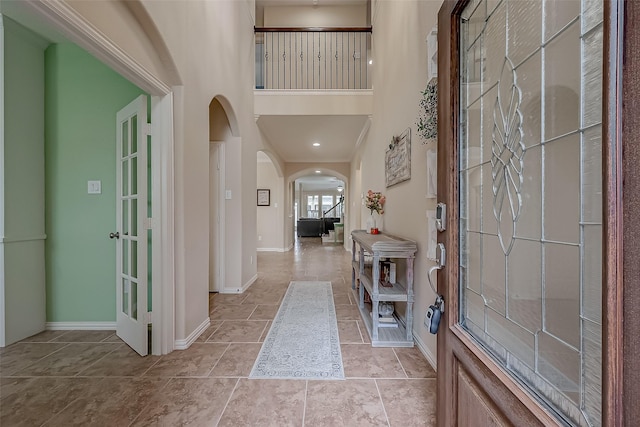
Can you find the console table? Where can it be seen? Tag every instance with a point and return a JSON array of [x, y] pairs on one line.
[[401, 251]]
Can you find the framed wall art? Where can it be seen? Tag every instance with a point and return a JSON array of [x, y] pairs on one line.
[[397, 159], [264, 197]]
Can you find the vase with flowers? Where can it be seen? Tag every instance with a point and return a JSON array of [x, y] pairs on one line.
[[375, 203]]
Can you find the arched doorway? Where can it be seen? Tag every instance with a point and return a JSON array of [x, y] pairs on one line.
[[224, 157]]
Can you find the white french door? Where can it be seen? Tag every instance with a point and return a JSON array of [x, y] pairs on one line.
[[131, 233]]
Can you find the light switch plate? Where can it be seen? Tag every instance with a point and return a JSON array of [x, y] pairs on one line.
[[227, 194], [94, 187]]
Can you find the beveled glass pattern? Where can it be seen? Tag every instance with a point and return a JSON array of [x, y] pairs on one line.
[[530, 174]]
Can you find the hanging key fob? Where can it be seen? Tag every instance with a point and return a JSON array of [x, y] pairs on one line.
[[433, 315]]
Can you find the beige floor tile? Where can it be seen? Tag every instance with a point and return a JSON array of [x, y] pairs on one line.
[[227, 299], [112, 402], [349, 332], [196, 361], [364, 332], [265, 312], [266, 331], [194, 386], [364, 361], [122, 362], [414, 363], [85, 336], [237, 360], [188, 401], [20, 355], [343, 403], [232, 312], [265, 403], [409, 402], [347, 312], [239, 331], [341, 298], [210, 330], [33, 401], [45, 336], [264, 297], [114, 338], [70, 360]]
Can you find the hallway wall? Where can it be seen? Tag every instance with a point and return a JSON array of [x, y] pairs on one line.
[[270, 218], [214, 57], [82, 99], [400, 74], [22, 223]]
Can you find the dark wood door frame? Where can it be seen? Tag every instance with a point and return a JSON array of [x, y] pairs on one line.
[[622, 272], [621, 216]]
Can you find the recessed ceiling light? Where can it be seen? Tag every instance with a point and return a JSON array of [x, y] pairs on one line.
[[316, 144], [370, 61], [318, 171]]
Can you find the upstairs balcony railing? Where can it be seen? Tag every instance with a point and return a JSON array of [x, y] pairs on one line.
[[313, 58]]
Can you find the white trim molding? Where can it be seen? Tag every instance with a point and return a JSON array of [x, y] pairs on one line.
[[80, 326], [193, 336], [6, 239], [84, 34], [272, 249], [425, 352], [240, 290]]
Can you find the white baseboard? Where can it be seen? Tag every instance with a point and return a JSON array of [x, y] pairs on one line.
[[84, 326], [271, 249], [249, 283], [425, 352], [186, 343], [242, 289]]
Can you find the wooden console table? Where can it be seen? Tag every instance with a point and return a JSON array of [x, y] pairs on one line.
[[381, 246]]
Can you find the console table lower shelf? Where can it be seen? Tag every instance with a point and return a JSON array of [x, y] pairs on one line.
[[387, 336]]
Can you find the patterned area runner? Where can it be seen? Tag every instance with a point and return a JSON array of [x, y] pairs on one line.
[[303, 340]]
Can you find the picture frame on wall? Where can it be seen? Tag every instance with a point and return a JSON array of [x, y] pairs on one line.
[[397, 162], [264, 197]]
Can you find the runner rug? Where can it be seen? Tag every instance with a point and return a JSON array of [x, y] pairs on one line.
[[303, 340]]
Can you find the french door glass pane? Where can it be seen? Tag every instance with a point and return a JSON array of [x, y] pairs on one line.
[[125, 256], [125, 296], [125, 178], [134, 300], [134, 259], [125, 139], [134, 134], [530, 173], [134, 217], [134, 176]]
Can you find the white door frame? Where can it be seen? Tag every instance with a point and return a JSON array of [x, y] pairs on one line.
[[218, 245], [71, 24]]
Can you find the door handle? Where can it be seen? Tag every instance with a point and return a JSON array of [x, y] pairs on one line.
[[115, 235]]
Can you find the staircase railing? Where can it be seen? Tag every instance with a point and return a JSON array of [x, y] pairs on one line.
[[324, 213], [313, 58]]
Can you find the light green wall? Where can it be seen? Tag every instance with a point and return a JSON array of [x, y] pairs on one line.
[[82, 99], [22, 201]]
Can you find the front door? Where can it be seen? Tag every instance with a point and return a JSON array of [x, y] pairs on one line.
[[131, 230], [521, 142]]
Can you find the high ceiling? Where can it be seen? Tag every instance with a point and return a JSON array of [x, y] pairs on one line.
[[292, 137]]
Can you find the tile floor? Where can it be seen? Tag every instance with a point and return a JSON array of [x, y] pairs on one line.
[[90, 378]]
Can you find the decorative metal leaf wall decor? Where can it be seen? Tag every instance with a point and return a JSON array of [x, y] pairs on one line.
[[507, 156]]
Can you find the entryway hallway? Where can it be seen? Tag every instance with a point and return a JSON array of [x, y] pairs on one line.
[[90, 378]]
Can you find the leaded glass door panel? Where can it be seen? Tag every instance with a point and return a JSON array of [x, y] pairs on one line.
[[523, 182]]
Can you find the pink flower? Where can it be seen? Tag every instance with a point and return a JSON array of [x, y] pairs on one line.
[[375, 201]]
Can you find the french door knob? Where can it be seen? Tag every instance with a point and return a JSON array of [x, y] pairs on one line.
[[115, 235]]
